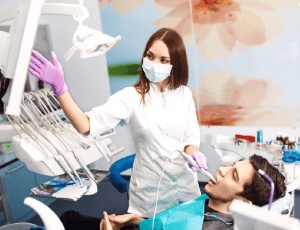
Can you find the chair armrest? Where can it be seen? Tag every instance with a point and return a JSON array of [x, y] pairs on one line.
[[116, 169]]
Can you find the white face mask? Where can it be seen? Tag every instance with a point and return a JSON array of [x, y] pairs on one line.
[[155, 72]]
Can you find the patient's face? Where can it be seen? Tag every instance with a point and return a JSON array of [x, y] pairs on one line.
[[230, 181]]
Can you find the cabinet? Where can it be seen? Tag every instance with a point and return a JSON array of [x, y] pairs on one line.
[[17, 183], [3, 206]]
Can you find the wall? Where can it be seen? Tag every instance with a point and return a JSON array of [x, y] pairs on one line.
[[87, 79], [208, 135], [243, 67], [243, 58], [89, 84]]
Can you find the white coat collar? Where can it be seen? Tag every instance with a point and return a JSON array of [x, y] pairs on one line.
[[153, 87]]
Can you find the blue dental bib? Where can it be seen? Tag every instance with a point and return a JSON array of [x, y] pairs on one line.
[[187, 215]]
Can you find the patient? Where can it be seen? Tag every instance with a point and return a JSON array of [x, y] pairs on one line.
[[241, 181]]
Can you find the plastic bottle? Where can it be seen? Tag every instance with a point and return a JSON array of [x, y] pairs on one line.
[[259, 139], [289, 167], [279, 138], [297, 165]]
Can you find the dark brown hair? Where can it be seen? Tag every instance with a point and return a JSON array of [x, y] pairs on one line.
[[179, 73], [258, 191]]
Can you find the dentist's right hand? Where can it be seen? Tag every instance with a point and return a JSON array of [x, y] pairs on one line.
[[48, 72]]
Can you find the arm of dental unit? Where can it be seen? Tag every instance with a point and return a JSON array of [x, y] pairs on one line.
[[43, 142]]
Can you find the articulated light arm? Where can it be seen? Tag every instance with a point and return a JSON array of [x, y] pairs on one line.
[[79, 13]]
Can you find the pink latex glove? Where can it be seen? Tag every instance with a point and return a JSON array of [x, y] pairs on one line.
[[48, 72], [200, 159]]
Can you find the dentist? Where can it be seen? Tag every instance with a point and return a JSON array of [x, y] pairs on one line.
[[160, 112]]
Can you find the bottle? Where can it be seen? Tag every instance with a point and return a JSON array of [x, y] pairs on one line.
[[291, 143], [286, 142], [297, 165], [259, 139], [279, 138], [273, 139], [289, 167], [271, 145]]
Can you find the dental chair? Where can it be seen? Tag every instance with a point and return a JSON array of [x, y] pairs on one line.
[[50, 219], [251, 217], [18, 226], [116, 169]]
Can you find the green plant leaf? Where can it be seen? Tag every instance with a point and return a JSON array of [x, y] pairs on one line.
[[130, 69]]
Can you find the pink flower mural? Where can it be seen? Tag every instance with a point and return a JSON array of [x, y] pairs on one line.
[[220, 26], [121, 6], [245, 70], [223, 99]]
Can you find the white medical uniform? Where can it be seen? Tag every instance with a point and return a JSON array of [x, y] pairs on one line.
[[166, 122]]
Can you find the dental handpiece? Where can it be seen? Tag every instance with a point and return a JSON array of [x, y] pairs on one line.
[[194, 163]]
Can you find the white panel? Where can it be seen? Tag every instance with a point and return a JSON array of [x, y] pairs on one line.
[[251, 217], [20, 51]]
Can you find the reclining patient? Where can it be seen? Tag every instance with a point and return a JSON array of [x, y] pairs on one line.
[[241, 181]]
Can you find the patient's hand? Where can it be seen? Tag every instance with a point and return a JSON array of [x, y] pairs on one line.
[[113, 222], [105, 224]]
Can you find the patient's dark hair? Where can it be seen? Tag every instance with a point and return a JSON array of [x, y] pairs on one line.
[[258, 190]]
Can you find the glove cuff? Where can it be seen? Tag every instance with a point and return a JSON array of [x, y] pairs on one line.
[[60, 90]]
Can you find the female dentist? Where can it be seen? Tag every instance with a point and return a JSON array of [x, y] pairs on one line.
[[160, 112]]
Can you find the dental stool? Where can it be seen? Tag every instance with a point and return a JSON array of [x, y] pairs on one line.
[[18, 226], [116, 169]]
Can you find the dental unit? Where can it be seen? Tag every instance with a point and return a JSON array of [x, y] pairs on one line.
[[46, 142], [16, 45], [51, 147]]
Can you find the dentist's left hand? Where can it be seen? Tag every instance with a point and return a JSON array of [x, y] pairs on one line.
[[49, 72], [201, 160]]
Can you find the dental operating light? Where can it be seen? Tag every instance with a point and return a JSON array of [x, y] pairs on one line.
[[90, 43]]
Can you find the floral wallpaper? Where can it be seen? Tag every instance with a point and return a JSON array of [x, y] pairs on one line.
[[244, 56]]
